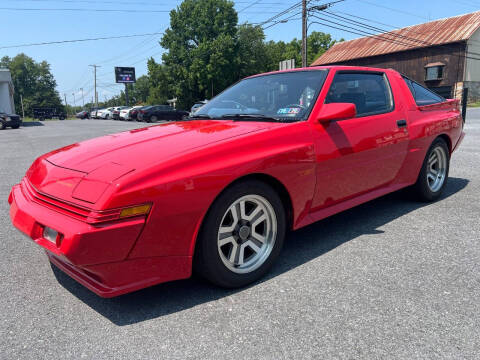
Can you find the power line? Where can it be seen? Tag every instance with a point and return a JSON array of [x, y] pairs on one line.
[[395, 27], [284, 20], [280, 14], [96, 2], [86, 10], [78, 40], [394, 10], [248, 6], [376, 36], [419, 42], [125, 2], [372, 28]]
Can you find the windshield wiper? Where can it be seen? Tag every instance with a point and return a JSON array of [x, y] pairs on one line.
[[249, 117], [199, 116]]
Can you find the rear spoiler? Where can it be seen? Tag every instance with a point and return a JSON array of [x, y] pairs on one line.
[[449, 104]]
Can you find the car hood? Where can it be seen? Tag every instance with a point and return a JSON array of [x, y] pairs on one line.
[[140, 147], [84, 170]]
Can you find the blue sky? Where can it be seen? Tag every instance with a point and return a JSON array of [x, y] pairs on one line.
[[70, 62]]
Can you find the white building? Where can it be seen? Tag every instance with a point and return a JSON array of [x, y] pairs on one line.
[[6, 92]]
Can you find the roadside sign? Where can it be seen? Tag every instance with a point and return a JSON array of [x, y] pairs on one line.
[[125, 75]]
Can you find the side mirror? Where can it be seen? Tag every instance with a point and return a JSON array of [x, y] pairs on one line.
[[336, 111]]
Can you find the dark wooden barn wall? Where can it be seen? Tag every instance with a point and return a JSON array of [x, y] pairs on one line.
[[412, 63]]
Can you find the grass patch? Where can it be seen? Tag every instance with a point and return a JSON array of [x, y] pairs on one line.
[[474, 104], [29, 119]]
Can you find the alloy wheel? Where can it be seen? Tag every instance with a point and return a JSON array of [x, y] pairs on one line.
[[436, 168], [247, 234]]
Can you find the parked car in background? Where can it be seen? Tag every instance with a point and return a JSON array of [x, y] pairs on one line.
[[139, 116], [47, 113], [83, 114], [9, 120], [124, 113], [94, 112], [132, 113], [219, 192], [197, 106], [105, 113], [116, 112], [160, 112]]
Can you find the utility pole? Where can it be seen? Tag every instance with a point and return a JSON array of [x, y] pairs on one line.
[[83, 99], [126, 94], [74, 102], [23, 111], [95, 83], [304, 33], [305, 26], [65, 97]]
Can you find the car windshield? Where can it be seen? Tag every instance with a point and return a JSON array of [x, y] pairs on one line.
[[287, 96]]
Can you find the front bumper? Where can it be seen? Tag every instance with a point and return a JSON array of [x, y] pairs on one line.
[[97, 256], [13, 121]]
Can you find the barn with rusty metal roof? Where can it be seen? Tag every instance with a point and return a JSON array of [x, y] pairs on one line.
[[443, 55]]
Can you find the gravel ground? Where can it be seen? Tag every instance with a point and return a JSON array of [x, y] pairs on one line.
[[392, 278]]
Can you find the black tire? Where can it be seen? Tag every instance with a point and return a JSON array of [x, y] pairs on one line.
[[153, 118], [422, 188], [107, 116], [207, 260], [41, 118], [15, 126], [3, 125]]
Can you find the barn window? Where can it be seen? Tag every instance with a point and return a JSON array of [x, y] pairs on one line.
[[434, 71]]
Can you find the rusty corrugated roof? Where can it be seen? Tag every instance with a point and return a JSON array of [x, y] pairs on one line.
[[443, 31]]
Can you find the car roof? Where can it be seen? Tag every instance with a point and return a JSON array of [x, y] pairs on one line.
[[329, 67]]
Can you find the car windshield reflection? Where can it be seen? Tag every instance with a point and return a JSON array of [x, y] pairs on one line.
[[287, 96]]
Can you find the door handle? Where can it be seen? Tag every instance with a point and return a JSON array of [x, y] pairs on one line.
[[402, 123]]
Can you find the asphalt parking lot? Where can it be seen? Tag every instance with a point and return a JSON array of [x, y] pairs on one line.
[[392, 278]]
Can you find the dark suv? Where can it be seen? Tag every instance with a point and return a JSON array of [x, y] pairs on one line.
[[160, 112], [12, 120]]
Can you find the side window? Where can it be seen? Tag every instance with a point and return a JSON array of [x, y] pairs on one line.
[[422, 95], [370, 92]]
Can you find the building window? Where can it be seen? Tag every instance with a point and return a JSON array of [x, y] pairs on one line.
[[434, 71]]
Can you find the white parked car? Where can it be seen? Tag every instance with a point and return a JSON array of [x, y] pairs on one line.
[[124, 113], [105, 113], [116, 111], [94, 113], [197, 106], [128, 115]]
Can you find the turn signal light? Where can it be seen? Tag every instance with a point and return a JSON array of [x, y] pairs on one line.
[[135, 211]]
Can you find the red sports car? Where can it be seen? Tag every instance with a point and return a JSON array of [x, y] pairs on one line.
[[217, 192]]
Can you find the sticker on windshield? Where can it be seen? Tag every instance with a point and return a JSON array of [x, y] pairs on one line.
[[289, 111]]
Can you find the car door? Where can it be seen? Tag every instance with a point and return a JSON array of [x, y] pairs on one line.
[[364, 153], [158, 112], [164, 112]]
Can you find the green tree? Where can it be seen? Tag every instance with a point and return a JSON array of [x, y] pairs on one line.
[[317, 44], [140, 90], [201, 49], [160, 83], [252, 50], [34, 81]]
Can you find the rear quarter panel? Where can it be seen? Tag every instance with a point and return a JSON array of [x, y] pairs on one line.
[[425, 124]]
